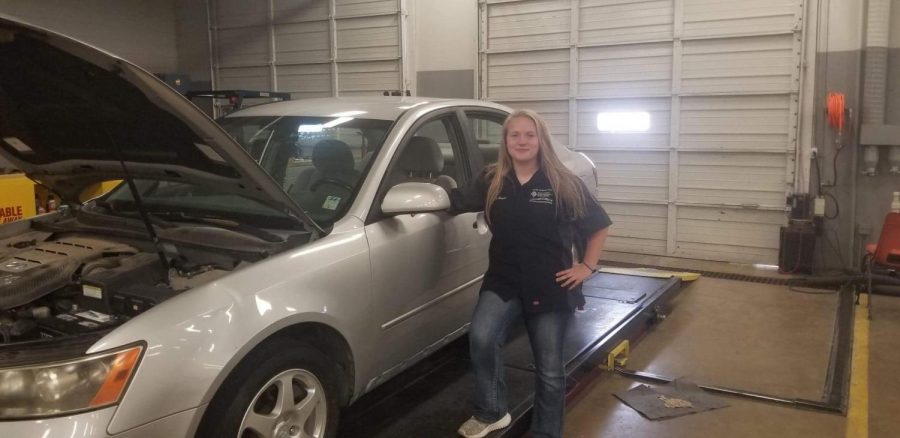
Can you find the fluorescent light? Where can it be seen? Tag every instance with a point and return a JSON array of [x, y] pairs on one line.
[[310, 128], [623, 121]]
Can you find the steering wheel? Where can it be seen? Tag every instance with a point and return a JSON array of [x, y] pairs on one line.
[[333, 181]]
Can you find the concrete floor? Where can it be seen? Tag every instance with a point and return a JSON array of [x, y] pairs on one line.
[[754, 337]]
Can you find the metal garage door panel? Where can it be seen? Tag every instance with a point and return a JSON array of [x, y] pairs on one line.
[[749, 236], [625, 70], [736, 123], [638, 228], [616, 21], [243, 46], [739, 17], [762, 64], [528, 25], [632, 175], [732, 178], [302, 81], [539, 74], [351, 8], [368, 78], [297, 11], [368, 38], [589, 137], [302, 42], [248, 78], [556, 113], [241, 13]]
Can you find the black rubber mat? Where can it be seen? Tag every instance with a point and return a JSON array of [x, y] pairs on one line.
[[623, 288]]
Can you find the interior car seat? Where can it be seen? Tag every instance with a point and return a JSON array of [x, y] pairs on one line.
[[422, 161], [331, 159]]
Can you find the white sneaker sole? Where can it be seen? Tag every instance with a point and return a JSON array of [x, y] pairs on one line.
[[500, 424]]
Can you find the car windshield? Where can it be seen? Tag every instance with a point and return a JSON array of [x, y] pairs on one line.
[[319, 161]]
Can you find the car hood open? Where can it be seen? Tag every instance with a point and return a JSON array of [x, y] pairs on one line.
[[70, 114]]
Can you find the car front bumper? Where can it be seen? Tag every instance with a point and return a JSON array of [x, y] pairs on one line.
[[95, 424]]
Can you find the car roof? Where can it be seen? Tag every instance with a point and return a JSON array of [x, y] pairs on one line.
[[380, 108]]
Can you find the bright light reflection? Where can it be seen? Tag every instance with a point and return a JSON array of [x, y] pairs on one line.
[[262, 306], [765, 267], [337, 121], [623, 121], [348, 114], [310, 128]]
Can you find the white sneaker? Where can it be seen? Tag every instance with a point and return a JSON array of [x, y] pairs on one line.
[[476, 429]]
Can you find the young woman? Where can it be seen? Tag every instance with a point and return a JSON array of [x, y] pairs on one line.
[[537, 211]]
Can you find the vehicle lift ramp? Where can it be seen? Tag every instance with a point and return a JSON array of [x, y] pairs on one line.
[[432, 398]]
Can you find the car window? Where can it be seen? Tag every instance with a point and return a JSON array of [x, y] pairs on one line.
[[488, 133], [319, 161], [430, 154]]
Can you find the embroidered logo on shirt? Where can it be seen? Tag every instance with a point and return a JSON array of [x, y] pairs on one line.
[[542, 196]]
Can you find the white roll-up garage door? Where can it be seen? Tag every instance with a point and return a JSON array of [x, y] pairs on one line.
[[310, 48], [719, 81]]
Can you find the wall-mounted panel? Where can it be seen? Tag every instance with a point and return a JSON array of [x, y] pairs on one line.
[[740, 17], [732, 178], [241, 13], [368, 38], [301, 81], [625, 70], [741, 235], [637, 228], [351, 8], [528, 25], [243, 46], [632, 176], [736, 122], [368, 78], [247, 78], [299, 11], [298, 43], [657, 136], [539, 74], [619, 21], [760, 64]]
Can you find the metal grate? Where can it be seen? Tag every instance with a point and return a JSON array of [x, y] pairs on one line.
[[720, 275]]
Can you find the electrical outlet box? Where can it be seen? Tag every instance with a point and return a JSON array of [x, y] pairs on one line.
[[819, 206]]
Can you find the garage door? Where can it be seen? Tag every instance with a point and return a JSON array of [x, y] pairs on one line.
[[310, 48], [689, 109]]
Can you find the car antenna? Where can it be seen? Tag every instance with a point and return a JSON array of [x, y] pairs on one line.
[[140, 206]]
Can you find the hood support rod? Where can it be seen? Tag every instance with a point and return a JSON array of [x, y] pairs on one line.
[[145, 216]]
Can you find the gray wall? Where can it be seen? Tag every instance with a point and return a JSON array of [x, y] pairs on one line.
[[839, 68], [141, 31]]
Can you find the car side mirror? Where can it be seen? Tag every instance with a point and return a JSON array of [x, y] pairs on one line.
[[415, 197]]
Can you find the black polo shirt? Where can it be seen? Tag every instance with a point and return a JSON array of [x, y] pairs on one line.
[[532, 240]]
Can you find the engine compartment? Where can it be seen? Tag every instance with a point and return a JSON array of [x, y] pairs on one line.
[[56, 285]]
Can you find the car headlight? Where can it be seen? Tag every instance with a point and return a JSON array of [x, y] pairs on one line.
[[81, 384]]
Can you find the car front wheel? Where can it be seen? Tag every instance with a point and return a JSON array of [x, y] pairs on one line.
[[283, 390]]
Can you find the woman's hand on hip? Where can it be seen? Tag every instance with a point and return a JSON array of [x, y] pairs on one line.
[[572, 277]]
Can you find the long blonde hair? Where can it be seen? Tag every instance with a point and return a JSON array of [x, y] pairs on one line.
[[566, 186]]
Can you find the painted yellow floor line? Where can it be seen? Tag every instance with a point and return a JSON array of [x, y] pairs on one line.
[[858, 413]]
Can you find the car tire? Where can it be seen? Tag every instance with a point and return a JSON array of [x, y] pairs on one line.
[[253, 402]]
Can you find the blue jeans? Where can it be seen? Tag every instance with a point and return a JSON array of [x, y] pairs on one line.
[[487, 335]]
